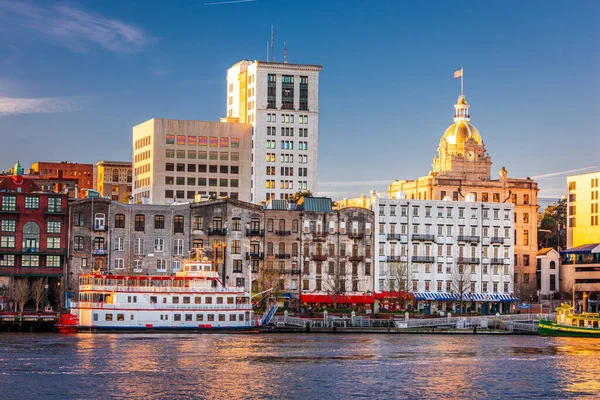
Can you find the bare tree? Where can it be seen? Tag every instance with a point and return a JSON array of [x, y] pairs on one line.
[[398, 282], [58, 289], [335, 281], [269, 277], [524, 287], [38, 288], [21, 293], [461, 283]]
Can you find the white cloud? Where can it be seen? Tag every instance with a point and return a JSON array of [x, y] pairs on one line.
[[356, 183], [74, 28], [14, 105], [562, 173]]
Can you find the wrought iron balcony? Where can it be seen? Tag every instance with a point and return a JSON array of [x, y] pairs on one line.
[[497, 239], [255, 232], [101, 228], [217, 231], [423, 259], [424, 237], [497, 261], [394, 236], [356, 258], [283, 233], [468, 260], [393, 259], [356, 235], [319, 257], [462, 238], [254, 255], [100, 251], [282, 256], [295, 271]]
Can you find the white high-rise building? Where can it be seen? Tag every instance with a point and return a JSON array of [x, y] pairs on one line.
[[281, 101]]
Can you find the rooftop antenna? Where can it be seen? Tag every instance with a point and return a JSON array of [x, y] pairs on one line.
[[284, 53], [267, 50], [272, 44]]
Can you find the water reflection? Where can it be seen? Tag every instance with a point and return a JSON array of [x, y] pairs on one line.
[[296, 366]]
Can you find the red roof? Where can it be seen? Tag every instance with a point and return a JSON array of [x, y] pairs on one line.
[[341, 299], [386, 294]]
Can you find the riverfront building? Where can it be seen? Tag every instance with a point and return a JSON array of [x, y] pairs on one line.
[[175, 160], [33, 231], [281, 102], [582, 209], [113, 179], [72, 178], [580, 271]]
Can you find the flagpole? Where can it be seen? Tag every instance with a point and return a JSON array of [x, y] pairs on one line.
[[462, 82]]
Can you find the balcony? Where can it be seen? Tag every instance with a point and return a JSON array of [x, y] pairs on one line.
[[423, 237], [497, 239], [423, 259], [56, 211], [250, 255], [468, 260], [497, 261], [462, 238], [318, 257], [255, 232], [394, 236], [10, 210], [293, 271], [100, 228], [283, 233], [100, 251], [356, 235], [356, 258], [217, 231], [282, 256], [393, 258]]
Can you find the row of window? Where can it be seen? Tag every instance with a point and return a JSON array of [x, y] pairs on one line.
[[143, 142], [448, 214], [287, 118], [213, 169], [145, 155], [203, 141], [9, 260], [287, 158], [177, 317], [29, 243], [190, 181], [9, 203], [428, 250], [449, 286], [449, 231], [203, 155], [10, 225]]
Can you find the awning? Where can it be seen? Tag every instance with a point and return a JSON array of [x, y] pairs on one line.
[[386, 294], [286, 296], [586, 248], [434, 296], [476, 297], [341, 299]]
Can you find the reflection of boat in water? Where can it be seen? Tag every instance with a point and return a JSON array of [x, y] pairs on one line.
[[571, 324], [194, 299]]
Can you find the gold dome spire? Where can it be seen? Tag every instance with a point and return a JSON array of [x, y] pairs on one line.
[[461, 130]]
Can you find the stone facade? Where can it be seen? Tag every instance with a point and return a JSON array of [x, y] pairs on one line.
[[113, 179]]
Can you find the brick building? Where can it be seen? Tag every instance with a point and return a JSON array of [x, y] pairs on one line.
[[33, 230], [64, 176], [114, 179]]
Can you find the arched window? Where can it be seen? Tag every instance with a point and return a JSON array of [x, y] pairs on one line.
[[281, 248], [319, 249], [119, 220], [270, 225], [552, 265], [282, 224], [269, 248], [178, 224], [99, 221], [31, 237], [115, 175]]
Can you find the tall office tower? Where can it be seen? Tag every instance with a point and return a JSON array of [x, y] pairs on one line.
[[174, 160], [582, 211], [281, 101]]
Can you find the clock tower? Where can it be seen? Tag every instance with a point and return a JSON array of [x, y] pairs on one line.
[[461, 151]]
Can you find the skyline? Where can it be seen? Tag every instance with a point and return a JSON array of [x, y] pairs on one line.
[[117, 58]]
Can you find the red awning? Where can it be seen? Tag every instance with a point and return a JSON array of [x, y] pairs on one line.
[[386, 294], [341, 299]]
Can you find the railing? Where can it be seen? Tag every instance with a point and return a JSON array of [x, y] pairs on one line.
[[101, 227], [322, 234], [418, 236], [161, 306], [356, 258], [255, 256], [217, 231], [282, 256], [394, 236], [425, 259], [10, 210], [479, 321], [160, 289], [356, 235], [468, 260], [100, 251], [497, 260], [394, 258], [283, 233], [255, 232], [497, 239], [462, 238], [318, 257]]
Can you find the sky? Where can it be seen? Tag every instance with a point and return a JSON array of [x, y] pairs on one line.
[[75, 77]]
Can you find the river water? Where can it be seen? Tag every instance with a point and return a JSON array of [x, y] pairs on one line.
[[307, 366]]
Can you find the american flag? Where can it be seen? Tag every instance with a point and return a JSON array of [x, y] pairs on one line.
[[458, 73]]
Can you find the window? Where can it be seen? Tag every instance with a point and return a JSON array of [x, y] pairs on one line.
[[139, 246], [198, 222], [53, 242], [77, 243], [30, 261], [525, 237], [120, 221], [9, 203], [178, 224], [178, 247], [99, 221], [32, 203], [7, 241], [119, 263], [9, 225], [159, 222], [140, 222]]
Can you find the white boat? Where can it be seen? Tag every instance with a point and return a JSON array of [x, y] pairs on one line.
[[193, 299]]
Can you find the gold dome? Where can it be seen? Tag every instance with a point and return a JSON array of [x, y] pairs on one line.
[[460, 131]]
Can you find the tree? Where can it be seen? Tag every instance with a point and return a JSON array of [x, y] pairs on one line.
[[524, 287], [268, 277], [38, 289], [21, 293], [300, 194], [398, 282], [335, 282], [58, 289], [461, 283], [553, 222]]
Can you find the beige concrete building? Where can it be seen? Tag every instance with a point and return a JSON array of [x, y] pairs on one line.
[[174, 160], [582, 209], [113, 179]]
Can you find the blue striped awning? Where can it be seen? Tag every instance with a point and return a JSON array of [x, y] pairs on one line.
[[473, 297]]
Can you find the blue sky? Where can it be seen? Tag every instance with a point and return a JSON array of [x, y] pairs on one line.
[[75, 77]]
